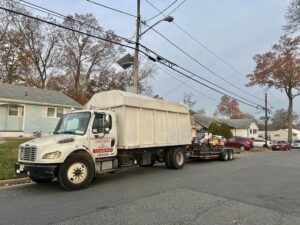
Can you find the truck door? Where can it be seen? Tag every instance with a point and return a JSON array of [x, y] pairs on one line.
[[103, 140]]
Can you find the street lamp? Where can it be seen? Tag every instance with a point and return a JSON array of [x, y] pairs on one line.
[[137, 43], [167, 19]]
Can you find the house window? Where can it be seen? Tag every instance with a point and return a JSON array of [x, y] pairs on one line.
[[13, 110], [50, 112], [59, 112], [250, 131], [254, 131], [277, 135]]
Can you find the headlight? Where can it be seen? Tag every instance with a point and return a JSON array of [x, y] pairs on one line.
[[52, 155], [66, 140]]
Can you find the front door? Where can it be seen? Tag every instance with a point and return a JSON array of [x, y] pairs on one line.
[[103, 140]]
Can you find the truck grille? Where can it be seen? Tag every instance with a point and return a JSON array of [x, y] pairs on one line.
[[28, 153]]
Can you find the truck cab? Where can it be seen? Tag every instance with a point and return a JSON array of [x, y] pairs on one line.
[[83, 143]]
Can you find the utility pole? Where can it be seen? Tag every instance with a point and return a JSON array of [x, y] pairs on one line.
[[266, 119], [137, 43]]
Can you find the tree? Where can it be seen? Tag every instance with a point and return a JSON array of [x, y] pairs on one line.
[[13, 63], [229, 107], [201, 112], [213, 128], [280, 119], [85, 58], [188, 100], [225, 131], [280, 68], [293, 17]]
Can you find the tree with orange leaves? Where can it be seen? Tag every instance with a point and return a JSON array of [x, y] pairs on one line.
[[280, 68], [229, 107]]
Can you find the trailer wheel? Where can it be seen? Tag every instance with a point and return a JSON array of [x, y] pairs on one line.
[[77, 172], [230, 155], [224, 155], [177, 158]]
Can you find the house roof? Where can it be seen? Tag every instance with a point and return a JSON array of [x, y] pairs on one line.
[[239, 123], [16, 93], [234, 123], [204, 121]]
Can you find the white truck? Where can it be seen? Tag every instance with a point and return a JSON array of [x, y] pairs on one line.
[[117, 129]]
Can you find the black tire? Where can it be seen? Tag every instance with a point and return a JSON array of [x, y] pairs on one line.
[[242, 147], [177, 158], [82, 166], [230, 155], [224, 155], [40, 181], [167, 158]]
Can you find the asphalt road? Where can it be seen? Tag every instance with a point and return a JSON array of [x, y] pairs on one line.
[[257, 188]]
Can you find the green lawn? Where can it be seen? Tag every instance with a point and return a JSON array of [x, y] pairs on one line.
[[8, 157]]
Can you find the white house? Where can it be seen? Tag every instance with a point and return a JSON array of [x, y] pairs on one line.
[[25, 110], [244, 128], [239, 127], [282, 135]]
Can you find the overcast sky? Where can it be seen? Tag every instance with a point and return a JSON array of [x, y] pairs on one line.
[[235, 30]]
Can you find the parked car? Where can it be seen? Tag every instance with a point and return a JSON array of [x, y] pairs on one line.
[[295, 144], [281, 145], [261, 143], [239, 142]]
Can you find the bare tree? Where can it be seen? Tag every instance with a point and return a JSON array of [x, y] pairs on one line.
[[84, 57], [279, 120], [41, 41], [280, 68], [188, 100], [293, 17]]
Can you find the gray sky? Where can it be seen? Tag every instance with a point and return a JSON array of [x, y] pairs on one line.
[[236, 30]]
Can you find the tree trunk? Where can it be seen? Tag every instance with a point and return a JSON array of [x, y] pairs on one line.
[[290, 120]]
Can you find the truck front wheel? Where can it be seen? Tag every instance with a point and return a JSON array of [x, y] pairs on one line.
[[77, 172]]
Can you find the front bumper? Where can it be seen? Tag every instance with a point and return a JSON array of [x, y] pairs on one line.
[[36, 171]]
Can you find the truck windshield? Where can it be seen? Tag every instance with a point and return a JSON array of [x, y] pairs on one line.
[[73, 123]]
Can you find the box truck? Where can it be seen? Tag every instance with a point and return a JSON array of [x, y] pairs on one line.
[[116, 129]]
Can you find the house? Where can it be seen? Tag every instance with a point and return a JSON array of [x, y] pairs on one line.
[[239, 127], [25, 110], [282, 135]]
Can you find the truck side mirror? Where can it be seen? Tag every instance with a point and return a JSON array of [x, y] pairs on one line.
[[107, 123]]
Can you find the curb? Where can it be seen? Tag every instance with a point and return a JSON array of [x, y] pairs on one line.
[[5, 183]]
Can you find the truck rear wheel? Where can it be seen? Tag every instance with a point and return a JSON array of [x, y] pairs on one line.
[[177, 158], [167, 158], [77, 172]]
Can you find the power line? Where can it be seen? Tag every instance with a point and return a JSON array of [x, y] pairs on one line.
[[185, 83], [70, 29], [59, 15], [153, 17], [206, 48], [177, 7], [160, 59], [113, 9], [206, 85], [205, 67]]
